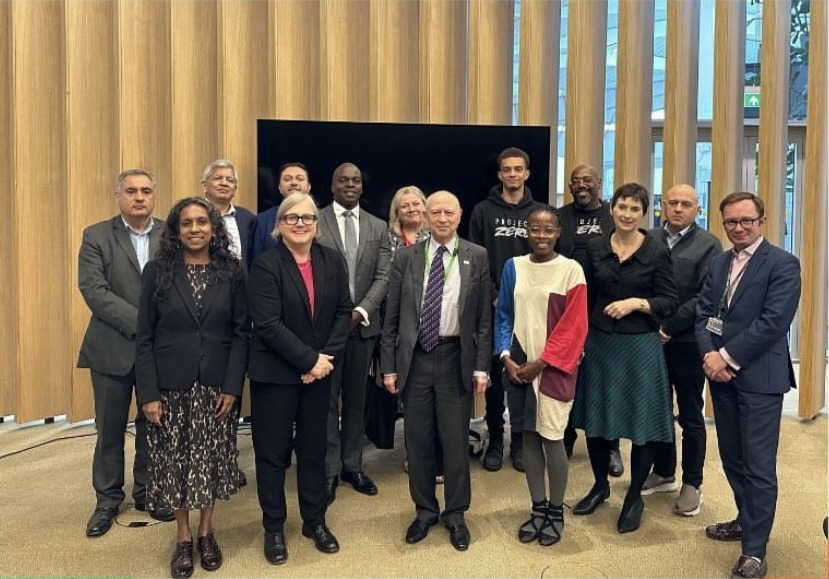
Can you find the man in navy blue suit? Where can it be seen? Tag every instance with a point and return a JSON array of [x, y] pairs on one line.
[[744, 311], [293, 178], [219, 185]]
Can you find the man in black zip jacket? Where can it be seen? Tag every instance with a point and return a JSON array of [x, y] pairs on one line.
[[499, 223]]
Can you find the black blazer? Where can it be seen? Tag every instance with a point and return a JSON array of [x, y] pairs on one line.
[[245, 220], [176, 347], [286, 340]]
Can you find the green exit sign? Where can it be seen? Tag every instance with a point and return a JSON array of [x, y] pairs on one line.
[[751, 100]]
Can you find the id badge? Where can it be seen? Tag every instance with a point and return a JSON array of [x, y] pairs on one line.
[[714, 326]]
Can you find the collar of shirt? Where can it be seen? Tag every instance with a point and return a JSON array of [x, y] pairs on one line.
[[132, 230], [230, 211], [672, 239], [339, 210], [449, 245], [746, 253]]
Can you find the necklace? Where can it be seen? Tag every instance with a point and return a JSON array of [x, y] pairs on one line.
[[622, 251]]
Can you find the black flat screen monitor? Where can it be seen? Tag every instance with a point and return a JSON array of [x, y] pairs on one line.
[[459, 158]]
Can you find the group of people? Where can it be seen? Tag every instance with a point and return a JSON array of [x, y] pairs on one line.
[[577, 316]]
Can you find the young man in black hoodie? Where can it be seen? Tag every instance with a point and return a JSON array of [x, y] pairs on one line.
[[499, 223]]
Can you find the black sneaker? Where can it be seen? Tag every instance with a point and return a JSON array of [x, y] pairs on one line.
[[494, 455]]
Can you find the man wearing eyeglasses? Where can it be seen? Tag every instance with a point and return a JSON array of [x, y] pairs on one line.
[[363, 241], [586, 217], [691, 249], [744, 311]]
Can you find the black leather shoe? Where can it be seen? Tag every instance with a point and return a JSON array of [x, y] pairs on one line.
[[324, 540], [748, 568], [243, 479], [459, 536], [494, 455], [631, 516], [591, 502], [276, 551], [360, 481], [163, 514], [728, 531], [331, 489], [210, 555], [615, 466], [101, 521], [181, 565], [418, 530]]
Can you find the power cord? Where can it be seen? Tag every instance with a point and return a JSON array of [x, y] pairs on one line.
[[44, 443]]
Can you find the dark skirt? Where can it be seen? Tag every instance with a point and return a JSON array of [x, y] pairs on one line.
[[192, 455], [623, 389]]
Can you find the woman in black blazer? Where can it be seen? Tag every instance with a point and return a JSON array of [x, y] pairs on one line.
[[192, 347], [301, 313]]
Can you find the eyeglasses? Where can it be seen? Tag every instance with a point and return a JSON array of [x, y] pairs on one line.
[[745, 222], [293, 219]]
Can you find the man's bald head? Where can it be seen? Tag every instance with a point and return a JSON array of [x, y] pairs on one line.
[[680, 207], [444, 212], [586, 187]]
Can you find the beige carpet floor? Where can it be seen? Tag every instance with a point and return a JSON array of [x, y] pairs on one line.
[[46, 498]]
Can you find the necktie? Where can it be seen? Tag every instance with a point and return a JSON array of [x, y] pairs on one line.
[[350, 250], [430, 312]]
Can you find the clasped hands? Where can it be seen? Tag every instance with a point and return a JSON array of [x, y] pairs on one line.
[[524, 373], [321, 369], [716, 368]]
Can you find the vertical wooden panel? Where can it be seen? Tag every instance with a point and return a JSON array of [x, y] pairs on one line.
[[538, 73], [491, 45], [395, 34], [634, 93], [193, 72], [774, 116], [586, 58], [44, 363], [681, 88], [443, 42], [92, 141], [145, 112], [344, 50], [294, 59], [813, 251], [242, 88], [8, 256], [727, 124]]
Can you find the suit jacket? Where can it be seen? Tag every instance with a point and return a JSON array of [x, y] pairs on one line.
[[261, 235], [245, 220], [287, 339], [373, 263], [756, 323], [109, 278], [403, 305], [177, 346]]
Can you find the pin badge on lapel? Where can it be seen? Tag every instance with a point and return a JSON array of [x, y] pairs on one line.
[[466, 262]]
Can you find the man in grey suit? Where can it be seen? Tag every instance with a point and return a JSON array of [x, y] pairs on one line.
[[435, 352], [112, 255], [363, 241]]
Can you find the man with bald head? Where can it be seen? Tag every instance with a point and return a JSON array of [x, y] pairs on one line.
[[691, 250], [363, 241], [435, 352]]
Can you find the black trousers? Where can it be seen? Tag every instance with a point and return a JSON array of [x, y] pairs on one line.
[[686, 374], [113, 395], [436, 400], [274, 409]]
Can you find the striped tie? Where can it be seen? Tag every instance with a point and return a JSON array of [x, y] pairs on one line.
[[430, 313]]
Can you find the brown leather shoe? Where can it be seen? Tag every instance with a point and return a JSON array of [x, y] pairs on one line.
[[182, 564], [211, 555], [748, 568], [728, 531]]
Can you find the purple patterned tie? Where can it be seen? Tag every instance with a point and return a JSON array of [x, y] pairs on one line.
[[430, 312]]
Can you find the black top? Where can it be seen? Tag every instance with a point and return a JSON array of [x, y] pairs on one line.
[[647, 274]]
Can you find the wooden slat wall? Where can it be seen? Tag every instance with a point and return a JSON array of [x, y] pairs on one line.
[[681, 86], [96, 87], [813, 251], [774, 117], [586, 57], [634, 94], [538, 73]]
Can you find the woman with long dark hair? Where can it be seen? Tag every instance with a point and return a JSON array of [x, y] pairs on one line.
[[192, 343]]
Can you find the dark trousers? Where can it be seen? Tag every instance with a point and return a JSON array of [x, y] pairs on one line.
[[349, 382], [748, 432], [274, 409], [686, 375], [113, 395], [436, 401]]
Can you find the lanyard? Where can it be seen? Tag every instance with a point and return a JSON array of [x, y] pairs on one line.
[[730, 285], [451, 260]]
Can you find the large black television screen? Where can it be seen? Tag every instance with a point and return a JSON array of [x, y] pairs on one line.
[[460, 158]]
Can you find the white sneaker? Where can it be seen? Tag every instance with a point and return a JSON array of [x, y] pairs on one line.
[[688, 502], [658, 484]]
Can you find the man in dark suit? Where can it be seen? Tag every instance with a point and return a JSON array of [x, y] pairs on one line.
[[363, 241], [435, 352], [112, 255], [293, 178], [744, 311], [219, 185], [691, 249]]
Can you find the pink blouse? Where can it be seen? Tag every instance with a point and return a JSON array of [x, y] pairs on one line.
[[307, 273]]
